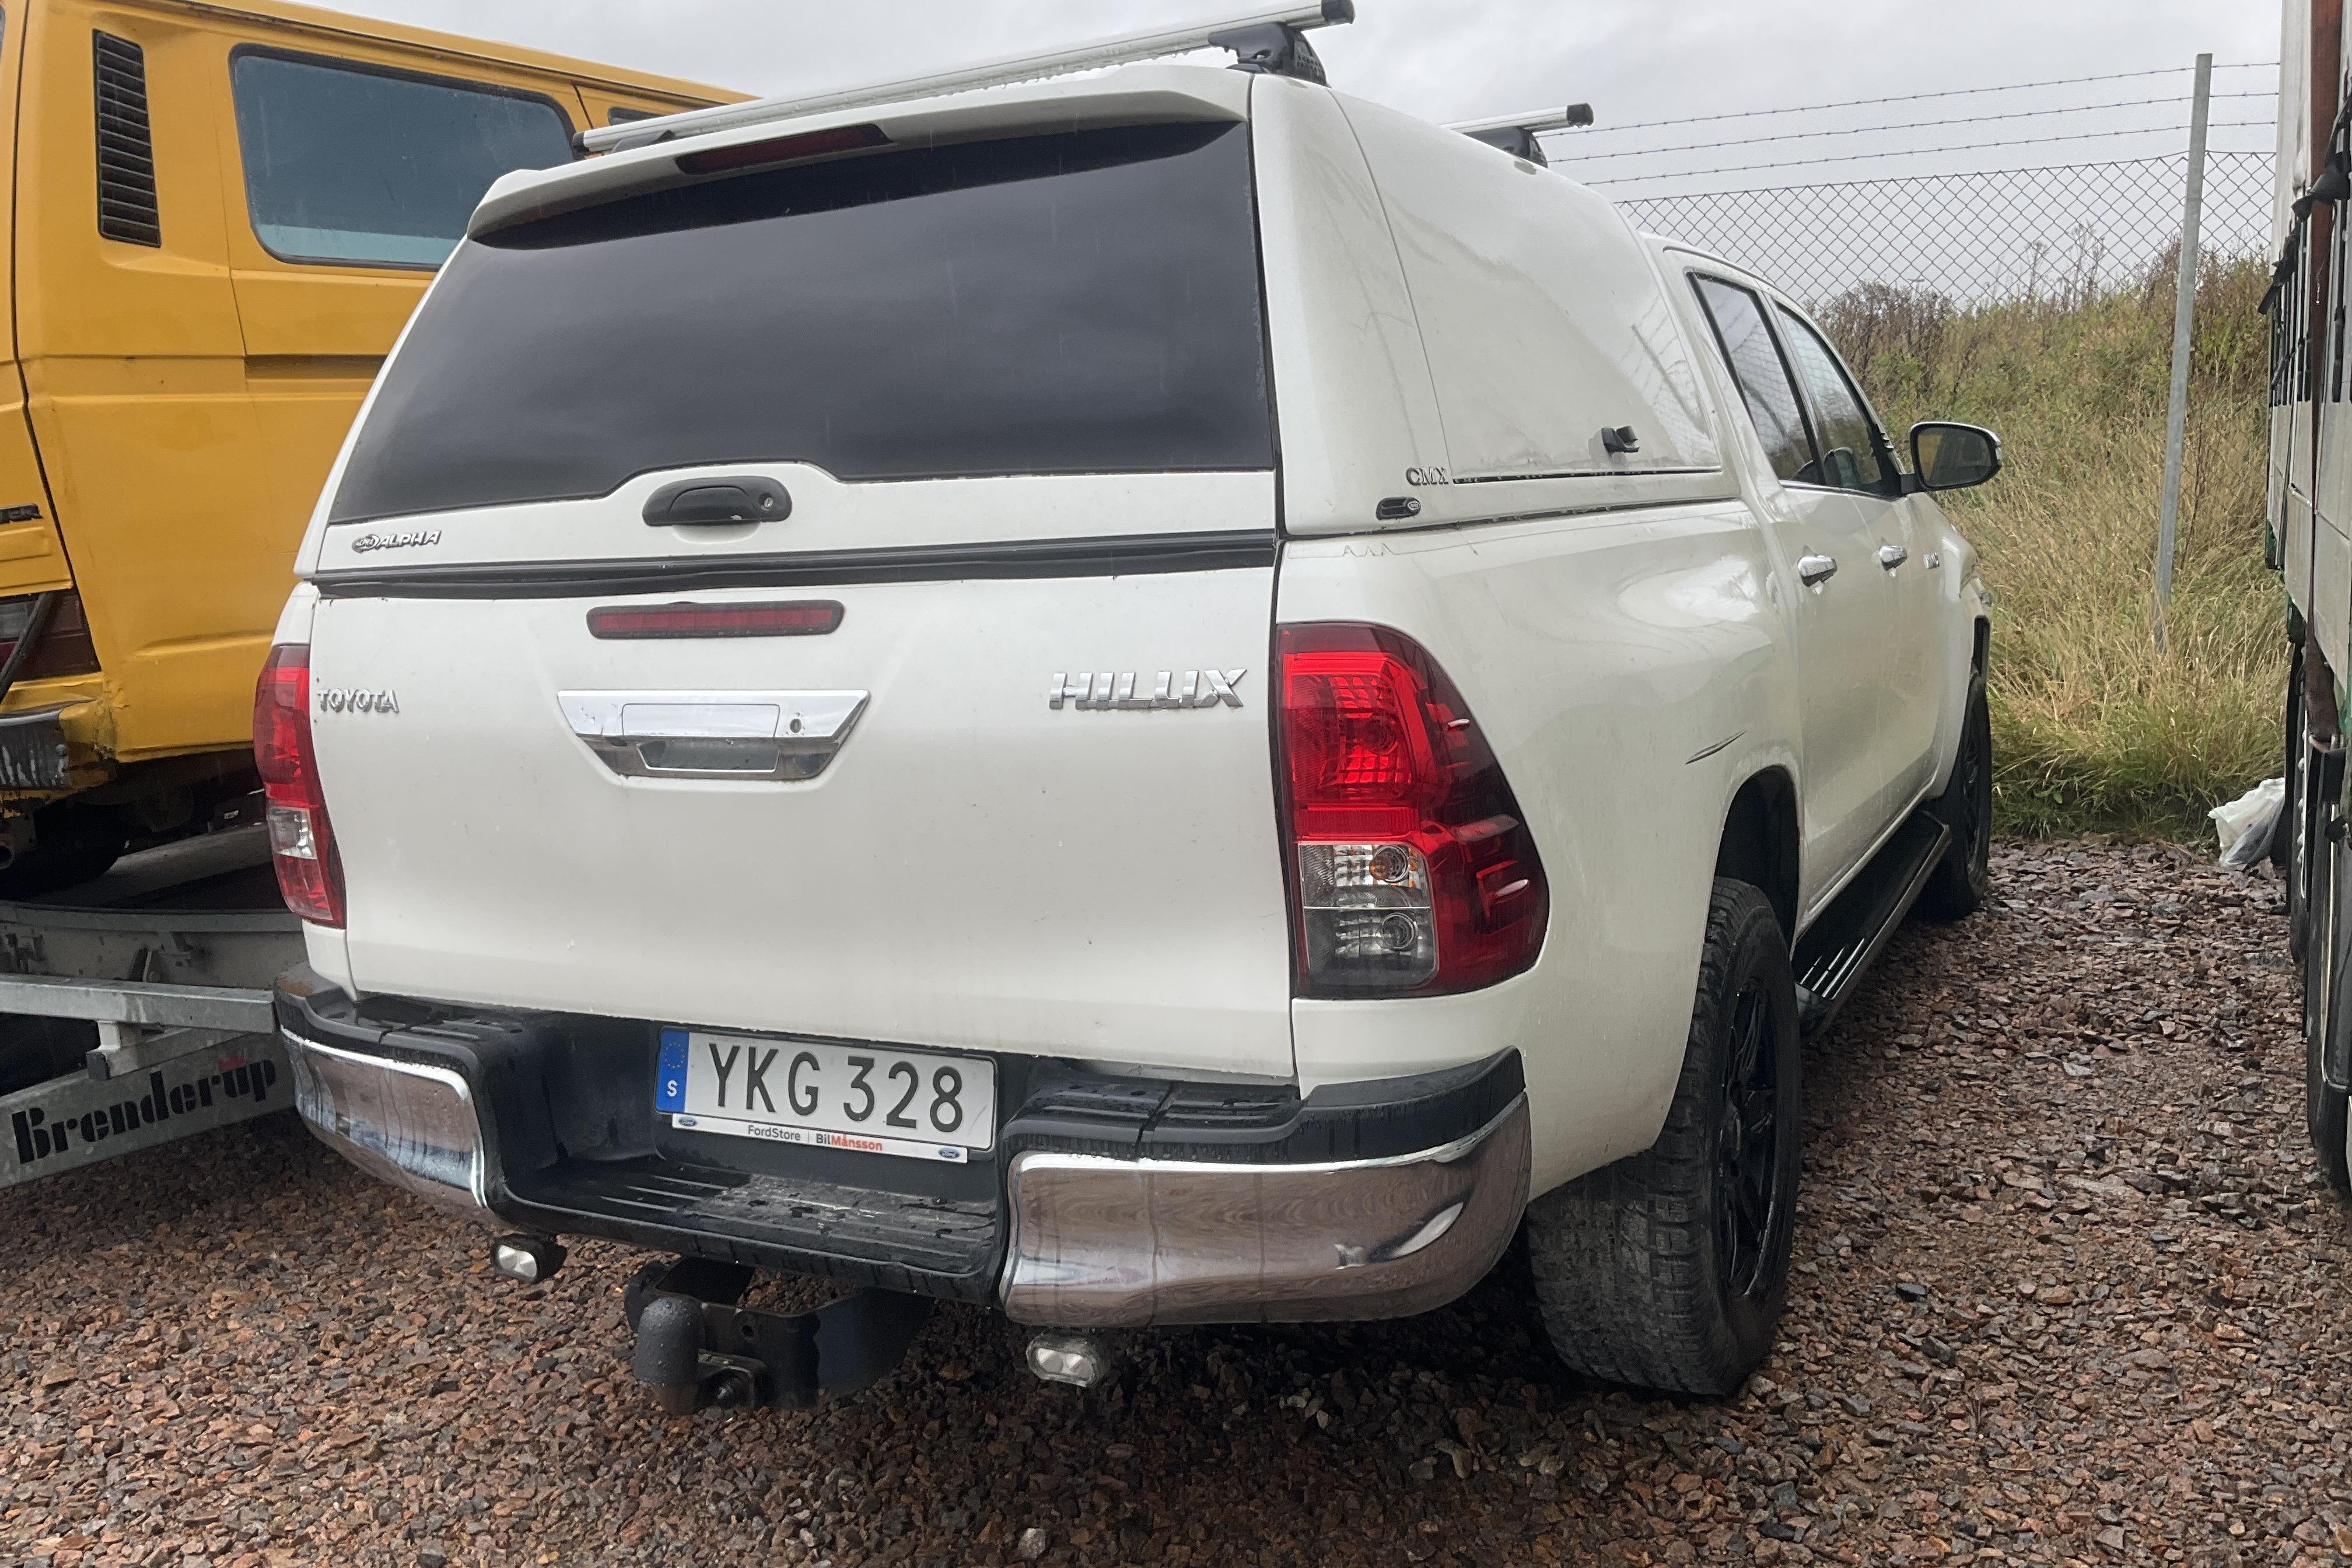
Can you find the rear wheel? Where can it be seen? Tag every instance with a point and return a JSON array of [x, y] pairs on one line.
[[1962, 879], [2293, 836], [1667, 1270], [2327, 936], [70, 845]]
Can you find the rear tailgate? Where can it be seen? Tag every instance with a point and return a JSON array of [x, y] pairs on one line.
[[1005, 406]]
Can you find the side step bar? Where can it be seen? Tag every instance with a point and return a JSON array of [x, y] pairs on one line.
[[1841, 943]]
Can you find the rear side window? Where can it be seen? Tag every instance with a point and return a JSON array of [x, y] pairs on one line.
[[1763, 378], [1851, 443], [364, 167], [1084, 302]]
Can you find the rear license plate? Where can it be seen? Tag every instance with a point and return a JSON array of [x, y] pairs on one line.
[[877, 1100]]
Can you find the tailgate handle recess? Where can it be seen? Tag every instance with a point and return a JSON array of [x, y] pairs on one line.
[[721, 501], [763, 735]]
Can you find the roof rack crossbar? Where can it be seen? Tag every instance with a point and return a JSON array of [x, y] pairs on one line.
[[1246, 35], [1516, 133]]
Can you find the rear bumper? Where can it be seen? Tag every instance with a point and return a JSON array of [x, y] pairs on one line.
[[1100, 1242], [1108, 1202]]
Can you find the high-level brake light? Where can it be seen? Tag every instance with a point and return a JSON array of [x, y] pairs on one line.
[[1267, 40], [801, 618], [301, 843], [1412, 869]]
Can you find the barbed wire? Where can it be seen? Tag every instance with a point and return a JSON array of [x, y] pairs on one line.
[[1914, 151], [1916, 97], [1914, 125]]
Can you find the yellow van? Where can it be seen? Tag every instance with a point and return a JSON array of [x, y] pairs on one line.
[[222, 216]]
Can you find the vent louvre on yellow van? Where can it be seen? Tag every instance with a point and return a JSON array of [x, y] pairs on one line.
[[126, 145]]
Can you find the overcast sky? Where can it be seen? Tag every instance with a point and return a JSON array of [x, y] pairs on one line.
[[1635, 60]]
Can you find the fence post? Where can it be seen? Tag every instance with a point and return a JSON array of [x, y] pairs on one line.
[[2184, 310]]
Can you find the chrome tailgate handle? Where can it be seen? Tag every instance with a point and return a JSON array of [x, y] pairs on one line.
[[774, 735]]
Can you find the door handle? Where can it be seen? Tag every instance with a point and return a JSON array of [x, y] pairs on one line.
[[1934, 559], [696, 502], [1892, 555], [788, 735], [1813, 571]]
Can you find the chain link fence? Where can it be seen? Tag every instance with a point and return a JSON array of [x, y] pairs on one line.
[[2060, 236]]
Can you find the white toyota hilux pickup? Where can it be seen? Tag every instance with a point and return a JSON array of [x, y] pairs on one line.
[[1162, 698]]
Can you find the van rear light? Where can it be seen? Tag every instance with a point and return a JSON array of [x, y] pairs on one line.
[[301, 842], [61, 646], [1412, 871], [784, 149]]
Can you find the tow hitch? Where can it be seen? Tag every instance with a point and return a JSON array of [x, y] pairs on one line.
[[699, 1351]]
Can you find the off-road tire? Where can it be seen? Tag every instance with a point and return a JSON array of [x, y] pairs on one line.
[[2282, 835], [1962, 879], [2327, 940], [1628, 1262]]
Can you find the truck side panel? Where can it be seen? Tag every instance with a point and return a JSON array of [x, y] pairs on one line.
[[1646, 637], [31, 558], [135, 371]]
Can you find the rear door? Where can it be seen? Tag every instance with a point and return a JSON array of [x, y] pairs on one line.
[[1899, 548], [1843, 611], [833, 599]]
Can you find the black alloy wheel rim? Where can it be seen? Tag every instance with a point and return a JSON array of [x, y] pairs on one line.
[[1749, 1180]]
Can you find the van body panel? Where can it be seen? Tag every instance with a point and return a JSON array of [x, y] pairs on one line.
[[32, 557], [187, 398]]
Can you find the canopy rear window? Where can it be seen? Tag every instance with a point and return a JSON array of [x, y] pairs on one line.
[[1084, 302]]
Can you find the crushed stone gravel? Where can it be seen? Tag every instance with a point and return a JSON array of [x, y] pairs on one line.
[[2068, 1290]]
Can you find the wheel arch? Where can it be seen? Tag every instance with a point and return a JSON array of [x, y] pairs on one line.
[[1759, 841]]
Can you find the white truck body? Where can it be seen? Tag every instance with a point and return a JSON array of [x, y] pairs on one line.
[[989, 864]]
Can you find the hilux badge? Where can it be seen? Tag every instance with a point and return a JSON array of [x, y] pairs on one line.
[[1116, 689]]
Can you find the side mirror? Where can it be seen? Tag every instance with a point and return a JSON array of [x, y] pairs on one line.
[[1947, 457]]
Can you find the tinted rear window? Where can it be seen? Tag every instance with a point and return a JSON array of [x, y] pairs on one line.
[[1078, 303]]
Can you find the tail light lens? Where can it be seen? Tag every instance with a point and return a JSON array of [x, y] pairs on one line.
[[64, 646], [1412, 871], [301, 842]]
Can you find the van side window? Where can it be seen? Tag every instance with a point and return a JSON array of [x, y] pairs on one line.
[[1852, 447], [1764, 384], [347, 164]]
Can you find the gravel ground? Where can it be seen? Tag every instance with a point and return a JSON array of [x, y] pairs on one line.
[[2068, 1290]]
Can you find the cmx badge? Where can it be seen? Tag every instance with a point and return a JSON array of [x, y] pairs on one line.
[[670, 1082]]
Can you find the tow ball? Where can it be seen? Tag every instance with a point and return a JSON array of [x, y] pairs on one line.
[[698, 1350]]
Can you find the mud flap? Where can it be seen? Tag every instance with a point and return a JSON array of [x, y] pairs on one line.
[[70, 1122]]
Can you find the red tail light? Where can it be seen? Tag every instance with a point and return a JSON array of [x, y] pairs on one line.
[[1412, 869], [301, 843]]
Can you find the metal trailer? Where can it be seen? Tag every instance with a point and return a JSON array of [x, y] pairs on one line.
[[2309, 541], [135, 1009]]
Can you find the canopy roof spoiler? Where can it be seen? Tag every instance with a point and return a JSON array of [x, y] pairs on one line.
[[1516, 133], [1271, 40]]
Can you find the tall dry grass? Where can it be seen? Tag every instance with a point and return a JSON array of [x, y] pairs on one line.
[[2095, 727]]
